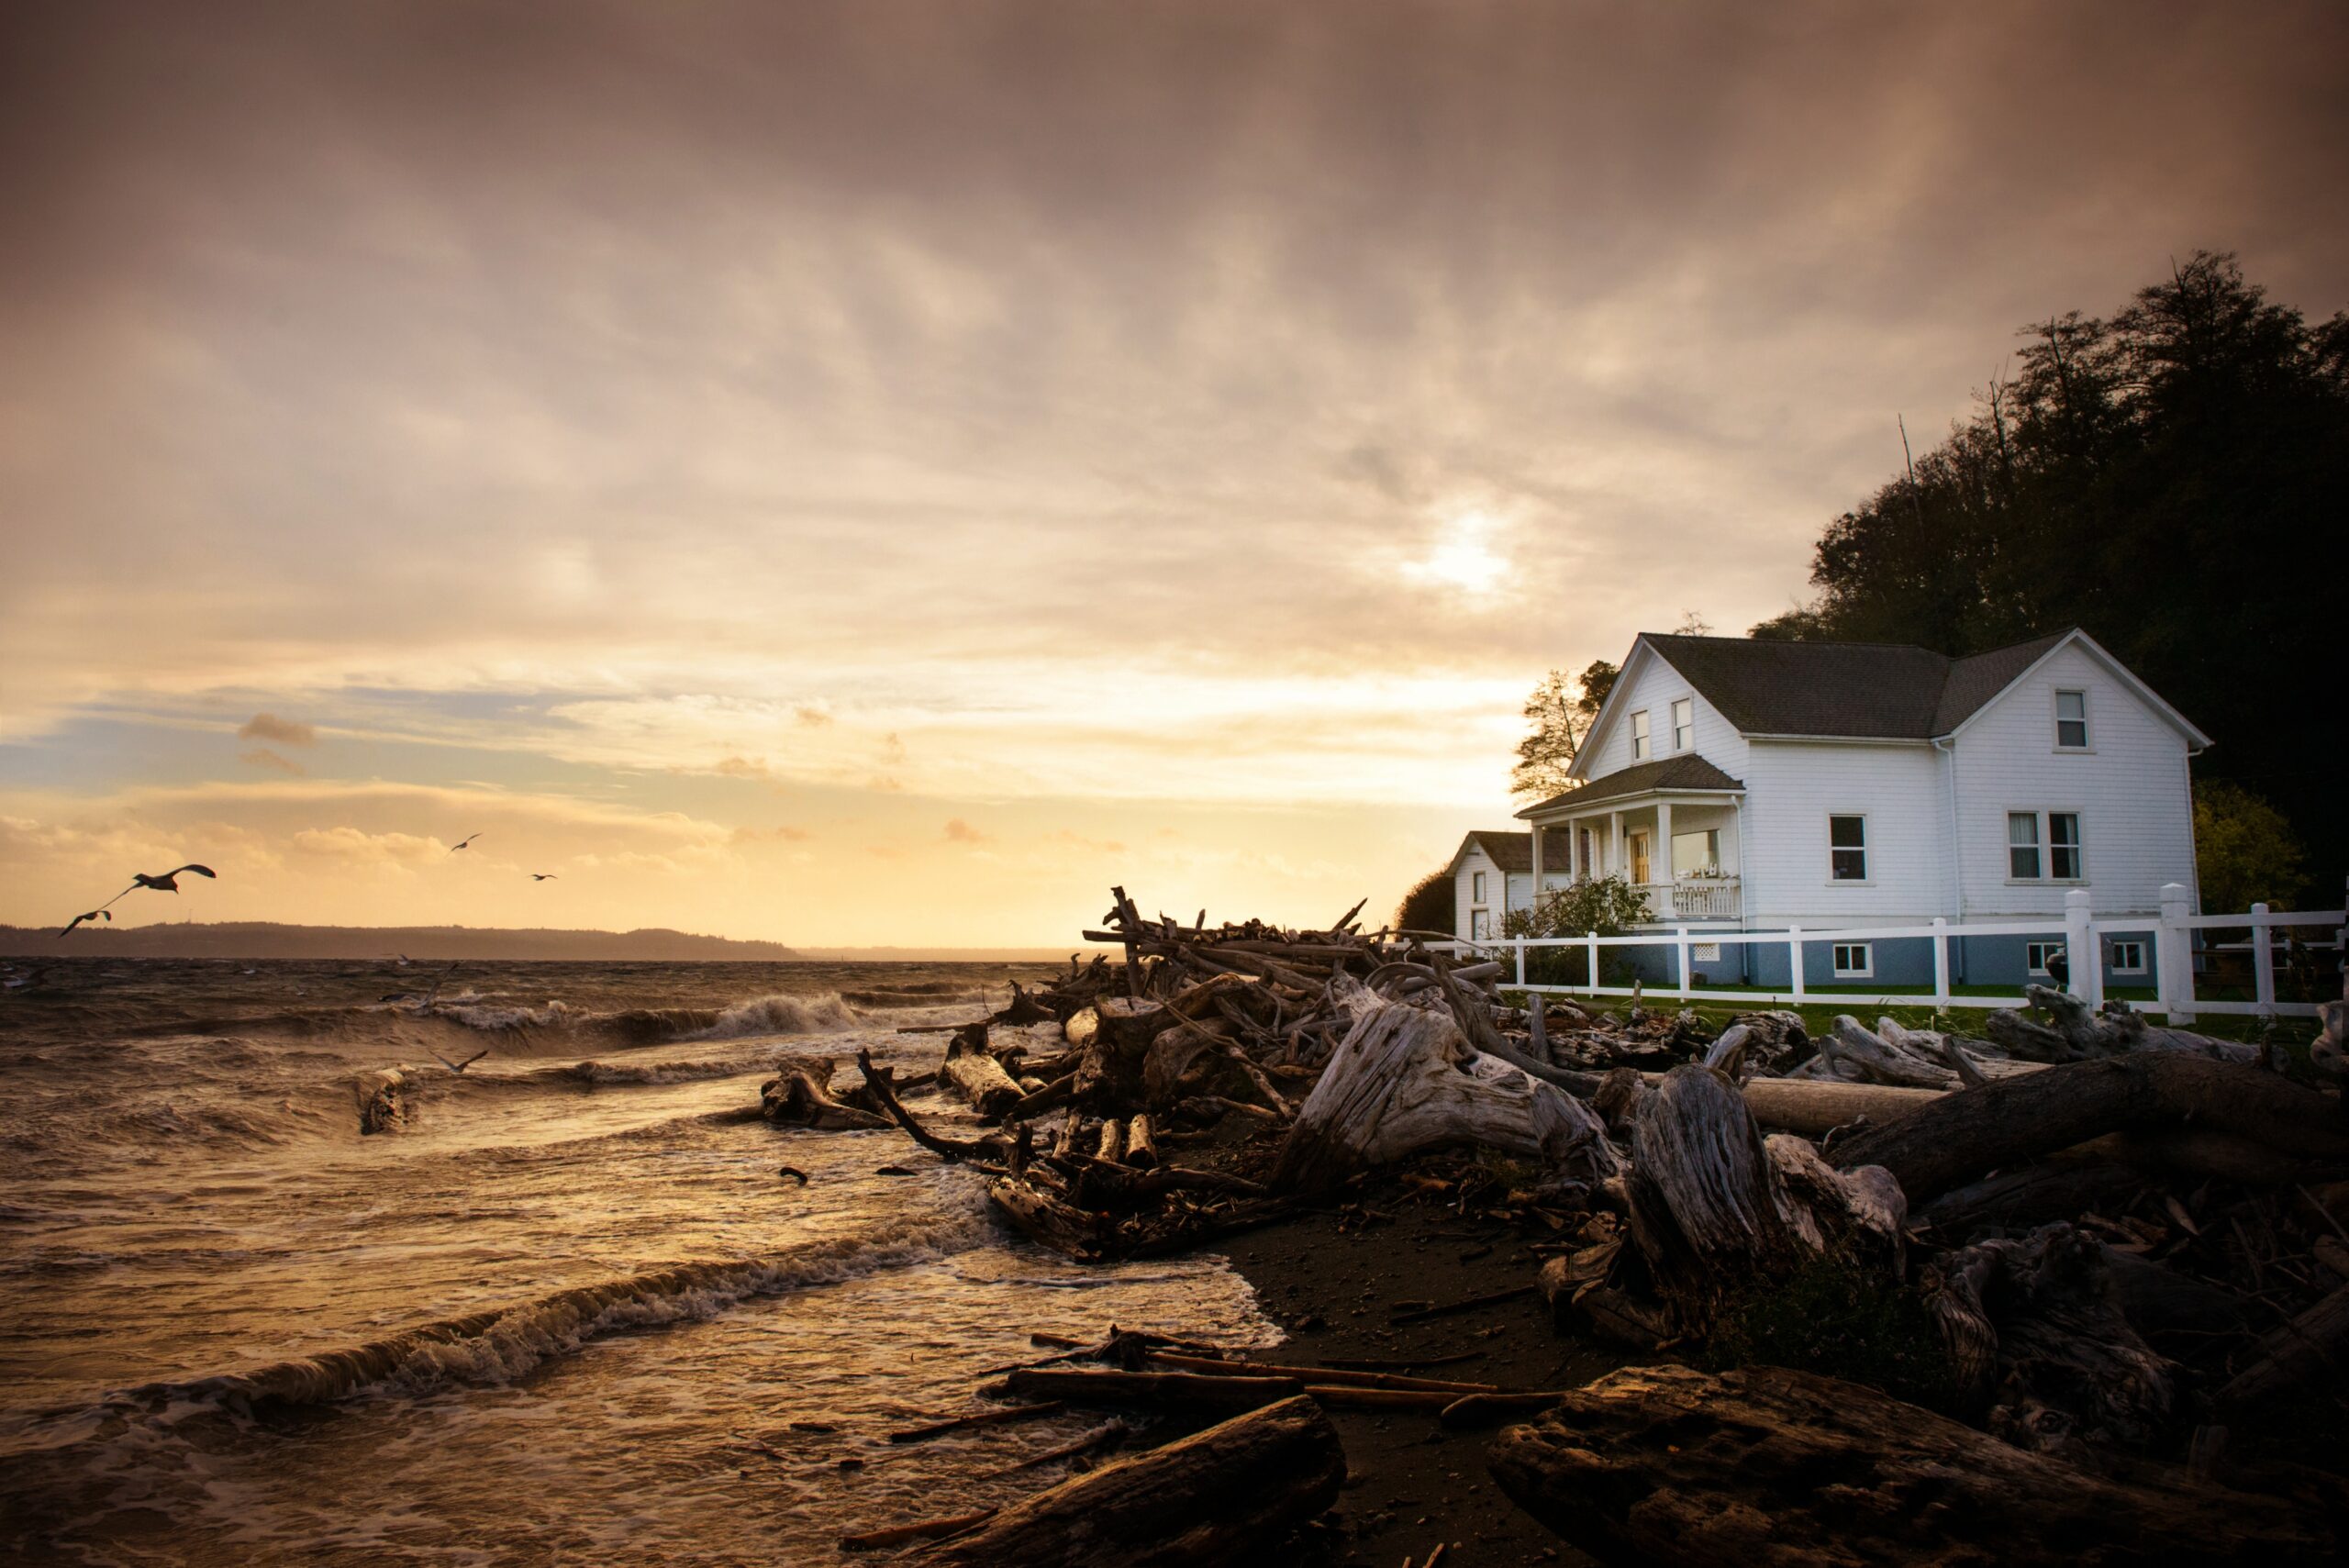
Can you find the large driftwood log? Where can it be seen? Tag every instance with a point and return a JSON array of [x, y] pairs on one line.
[[2074, 1033], [802, 1096], [972, 1072], [1404, 1080], [2009, 1121], [1768, 1468], [1229, 1495]]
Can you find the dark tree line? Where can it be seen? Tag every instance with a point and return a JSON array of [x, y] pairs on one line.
[[2174, 479]]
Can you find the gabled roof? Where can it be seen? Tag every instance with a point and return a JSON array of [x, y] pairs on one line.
[[1856, 690], [1510, 851], [1872, 691], [1687, 772]]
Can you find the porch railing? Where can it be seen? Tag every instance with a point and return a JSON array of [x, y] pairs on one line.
[[1694, 898]]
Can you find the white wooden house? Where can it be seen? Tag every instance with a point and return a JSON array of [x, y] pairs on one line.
[[1758, 785]]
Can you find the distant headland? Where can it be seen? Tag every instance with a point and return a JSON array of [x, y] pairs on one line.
[[265, 938]]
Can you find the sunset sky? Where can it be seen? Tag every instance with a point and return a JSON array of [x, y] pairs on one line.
[[881, 473]]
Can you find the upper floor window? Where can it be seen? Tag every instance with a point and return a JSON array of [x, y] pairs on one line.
[[1477, 887], [1847, 849], [2058, 832], [1684, 724], [2072, 721], [1640, 736]]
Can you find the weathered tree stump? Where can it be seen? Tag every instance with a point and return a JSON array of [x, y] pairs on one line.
[[1226, 1496], [1717, 1210], [1404, 1080], [1769, 1468]]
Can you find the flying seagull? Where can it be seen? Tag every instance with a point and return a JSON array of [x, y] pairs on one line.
[[463, 842], [461, 1066], [542, 876], [169, 882]]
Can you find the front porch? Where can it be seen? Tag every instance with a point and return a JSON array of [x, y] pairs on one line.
[[1680, 847]]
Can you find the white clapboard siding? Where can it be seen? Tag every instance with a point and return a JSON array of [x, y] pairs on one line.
[[2129, 788], [1792, 786]]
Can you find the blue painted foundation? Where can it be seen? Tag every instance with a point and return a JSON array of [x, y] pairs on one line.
[[1902, 965]]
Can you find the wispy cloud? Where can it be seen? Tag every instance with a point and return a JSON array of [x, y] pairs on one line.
[[284, 731]]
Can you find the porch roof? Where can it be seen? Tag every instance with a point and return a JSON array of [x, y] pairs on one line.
[[1670, 775]]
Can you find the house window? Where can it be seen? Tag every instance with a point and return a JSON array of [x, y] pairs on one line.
[[2023, 845], [1476, 888], [2036, 954], [2128, 958], [1480, 925], [2065, 862], [1847, 849], [1854, 961], [2071, 721], [1640, 736], [1684, 724], [2063, 846]]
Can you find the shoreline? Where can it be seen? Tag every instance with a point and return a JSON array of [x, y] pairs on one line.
[[1331, 1279]]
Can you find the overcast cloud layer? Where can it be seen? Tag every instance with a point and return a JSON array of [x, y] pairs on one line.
[[877, 471]]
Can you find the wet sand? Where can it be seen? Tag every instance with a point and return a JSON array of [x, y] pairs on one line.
[[1332, 1281]]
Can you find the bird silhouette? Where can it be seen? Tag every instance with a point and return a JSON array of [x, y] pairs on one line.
[[542, 876], [461, 1066], [168, 882], [463, 842]]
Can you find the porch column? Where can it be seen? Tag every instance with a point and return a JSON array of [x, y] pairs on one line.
[[1663, 842], [1615, 842], [1535, 897]]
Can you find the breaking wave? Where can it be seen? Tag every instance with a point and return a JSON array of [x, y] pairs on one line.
[[500, 1344], [827, 1014]]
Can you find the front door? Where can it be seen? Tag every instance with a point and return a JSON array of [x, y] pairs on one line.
[[1638, 839]]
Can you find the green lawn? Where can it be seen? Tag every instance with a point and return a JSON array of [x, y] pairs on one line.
[[1819, 1017]]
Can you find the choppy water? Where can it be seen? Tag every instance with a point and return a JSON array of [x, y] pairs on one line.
[[568, 1312]]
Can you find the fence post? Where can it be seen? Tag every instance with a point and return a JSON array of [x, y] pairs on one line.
[[1591, 974], [2263, 969], [2174, 953], [1680, 948], [1520, 962], [1940, 963], [2082, 963], [1793, 954]]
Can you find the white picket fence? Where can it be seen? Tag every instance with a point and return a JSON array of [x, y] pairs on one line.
[[2079, 930]]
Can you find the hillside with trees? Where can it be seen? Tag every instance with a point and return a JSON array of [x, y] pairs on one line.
[[2175, 480]]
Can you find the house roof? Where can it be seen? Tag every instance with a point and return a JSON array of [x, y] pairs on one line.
[[1886, 691], [1688, 772], [1510, 851]]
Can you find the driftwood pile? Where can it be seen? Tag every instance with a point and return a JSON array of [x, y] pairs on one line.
[[2072, 1255]]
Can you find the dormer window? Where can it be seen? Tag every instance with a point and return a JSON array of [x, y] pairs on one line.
[[1640, 736], [2071, 721], [1684, 724]]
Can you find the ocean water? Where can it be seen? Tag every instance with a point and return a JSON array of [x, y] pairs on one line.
[[567, 1312]]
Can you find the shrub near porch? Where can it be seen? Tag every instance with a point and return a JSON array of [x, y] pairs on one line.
[[1609, 905]]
